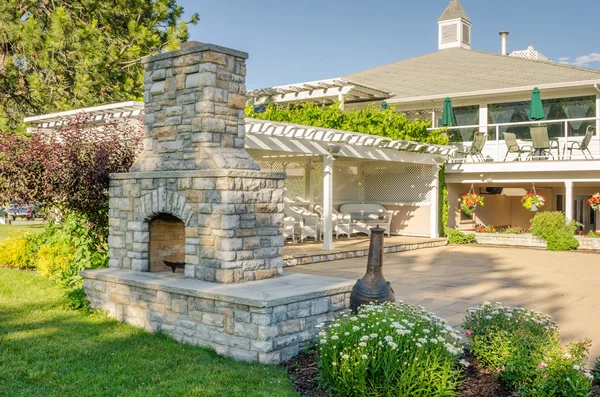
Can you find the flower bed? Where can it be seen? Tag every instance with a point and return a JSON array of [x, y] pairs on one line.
[[389, 349], [523, 348]]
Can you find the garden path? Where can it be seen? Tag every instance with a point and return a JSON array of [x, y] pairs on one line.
[[449, 280]]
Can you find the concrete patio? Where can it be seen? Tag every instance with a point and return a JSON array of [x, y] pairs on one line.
[[448, 280]]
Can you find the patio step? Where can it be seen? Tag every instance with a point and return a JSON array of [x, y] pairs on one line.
[[466, 225]]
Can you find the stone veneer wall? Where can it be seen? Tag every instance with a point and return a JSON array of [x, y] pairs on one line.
[[231, 219], [267, 334], [194, 166]]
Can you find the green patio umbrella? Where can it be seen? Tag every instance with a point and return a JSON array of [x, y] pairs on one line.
[[536, 112], [448, 119]]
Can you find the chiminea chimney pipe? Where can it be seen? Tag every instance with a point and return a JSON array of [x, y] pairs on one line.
[[504, 36]]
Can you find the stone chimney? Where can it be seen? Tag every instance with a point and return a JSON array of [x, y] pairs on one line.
[[195, 191], [194, 114]]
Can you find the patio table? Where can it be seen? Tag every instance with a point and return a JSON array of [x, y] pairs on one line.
[[537, 153]]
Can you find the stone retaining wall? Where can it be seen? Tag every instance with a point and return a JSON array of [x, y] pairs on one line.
[[238, 323], [528, 240]]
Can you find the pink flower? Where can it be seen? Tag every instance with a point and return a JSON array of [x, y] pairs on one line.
[[468, 332], [542, 365]]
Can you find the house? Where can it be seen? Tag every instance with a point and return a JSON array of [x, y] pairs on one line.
[[490, 94]]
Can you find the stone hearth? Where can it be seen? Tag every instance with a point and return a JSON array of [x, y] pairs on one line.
[[196, 196]]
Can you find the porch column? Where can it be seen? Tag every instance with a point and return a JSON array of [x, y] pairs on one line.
[[569, 200], [598, 119], [328, 202], [342, 101], [434, 214]]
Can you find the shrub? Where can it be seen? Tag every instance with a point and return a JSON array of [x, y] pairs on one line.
[[389, 350], [17, 251], [455, 236], [597, 369], [552, 226], [593, 234], [70, 247], [523, 348]]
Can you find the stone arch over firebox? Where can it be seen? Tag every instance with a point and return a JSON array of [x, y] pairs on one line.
[[155, 204]]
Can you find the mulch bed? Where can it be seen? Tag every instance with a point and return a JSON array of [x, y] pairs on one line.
[[302, 370]]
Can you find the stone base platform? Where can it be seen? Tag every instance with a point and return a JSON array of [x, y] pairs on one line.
[[309, 252], [268, 321]]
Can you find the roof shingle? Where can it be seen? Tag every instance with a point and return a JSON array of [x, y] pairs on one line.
[[459, 70], [454, 11]]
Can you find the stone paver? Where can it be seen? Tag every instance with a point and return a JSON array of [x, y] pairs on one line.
[[448, 280]]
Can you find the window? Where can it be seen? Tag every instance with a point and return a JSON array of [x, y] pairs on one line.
[[560, 202]]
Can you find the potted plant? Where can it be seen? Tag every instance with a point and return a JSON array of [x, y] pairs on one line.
[[471, 200], [594, 201], [533, 201]]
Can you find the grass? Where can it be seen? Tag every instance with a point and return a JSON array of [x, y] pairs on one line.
[[9, 230], [47, 350]]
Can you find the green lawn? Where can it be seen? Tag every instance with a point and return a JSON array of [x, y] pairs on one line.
[[9, 230], [46, 350]]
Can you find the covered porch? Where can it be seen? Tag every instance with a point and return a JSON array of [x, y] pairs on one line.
[[343, 183], [566, 185]]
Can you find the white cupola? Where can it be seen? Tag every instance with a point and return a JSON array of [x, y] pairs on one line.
[[454, 28]]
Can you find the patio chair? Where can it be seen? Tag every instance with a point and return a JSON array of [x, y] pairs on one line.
[[584, 144], [513, 147], [341, 222], [476, 147], [542, 145], [289, 228], [307, 224]]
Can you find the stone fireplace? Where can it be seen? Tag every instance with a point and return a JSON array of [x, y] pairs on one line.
[[194, 167], [196, 196]]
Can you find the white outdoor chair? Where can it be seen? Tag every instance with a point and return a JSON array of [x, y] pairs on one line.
[[307, 224], [340, 222], [289, 228], [584, 144]]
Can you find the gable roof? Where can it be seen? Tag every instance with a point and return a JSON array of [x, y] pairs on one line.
[[454, 11], [458, 70]]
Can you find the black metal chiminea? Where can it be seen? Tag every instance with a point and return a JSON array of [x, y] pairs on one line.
[[372, 288]]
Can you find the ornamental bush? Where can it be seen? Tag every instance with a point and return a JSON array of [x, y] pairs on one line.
[[523, 348], [17, 252], [552, 226], [389, 350], [455, 236]]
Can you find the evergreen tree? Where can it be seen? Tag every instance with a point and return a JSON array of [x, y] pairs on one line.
[[58, 55]]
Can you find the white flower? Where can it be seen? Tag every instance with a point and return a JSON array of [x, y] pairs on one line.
[[336, 325], [334, 364], [576, 367], [362, 344], [323, 341], [373, 335], [388, 338], [322, 334], [426, 331], [393, 345], [335, 337], [345, 357], [355, 328], [488, 317], [364, 356], [346, 333], [364, 338], [418, 344], [353, 318], [422, 340], [464, 362]]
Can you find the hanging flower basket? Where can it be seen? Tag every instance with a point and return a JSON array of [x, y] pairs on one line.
[[533, 201], [594, 201], [471, 200]]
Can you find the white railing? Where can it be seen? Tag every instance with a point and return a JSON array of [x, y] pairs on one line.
[[496, 149]]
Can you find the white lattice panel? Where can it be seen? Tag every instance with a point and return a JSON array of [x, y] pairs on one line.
[[398, 184], [295, 183], [316, 181], [346, 184]]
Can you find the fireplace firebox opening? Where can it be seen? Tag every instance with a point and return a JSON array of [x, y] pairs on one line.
[[167, 243]]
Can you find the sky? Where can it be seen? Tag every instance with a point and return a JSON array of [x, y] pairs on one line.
[[305, 40]]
